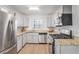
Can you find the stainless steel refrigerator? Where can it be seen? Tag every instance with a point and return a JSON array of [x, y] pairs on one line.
[[7, 33]]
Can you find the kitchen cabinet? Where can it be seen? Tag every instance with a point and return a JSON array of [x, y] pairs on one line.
[[49, 39], [42, 38], [70, 49], [24, 38], [32, 37], [67, 9], [28, 38], [26, 21], [63, 16], [20, 22], [66, 49], [50, 49], [57, 17], [49, 21], [19, 43], [36, 38], [67, 15], [19, 19], [57, 49]]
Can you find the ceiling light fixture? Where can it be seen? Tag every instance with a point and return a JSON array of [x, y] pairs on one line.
[[34, 8], [2, 9]]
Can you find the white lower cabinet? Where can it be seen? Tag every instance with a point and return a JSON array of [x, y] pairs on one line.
[[29, 38], [19, 43], [50, 48], [70, 49], [67, 49], [57, 49], [24, 39], [41, 39], [49, 39], [36, 38], [32, 37]]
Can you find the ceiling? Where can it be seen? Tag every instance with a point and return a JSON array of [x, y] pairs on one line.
[[44, 9]]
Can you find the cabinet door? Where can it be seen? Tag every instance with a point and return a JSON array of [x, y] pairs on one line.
[[49, 39], [19, 43], [36, 38], [24, 39], [32, 37], [26, 22], [49, 22], [57, 49], [50, 49], [18, 40], [41, 39], [28, 38], [69, 49], [20, 22]]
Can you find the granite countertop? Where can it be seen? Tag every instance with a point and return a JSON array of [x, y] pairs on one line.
[[31, 31], [67, 42], [57, 41], [20, 33]]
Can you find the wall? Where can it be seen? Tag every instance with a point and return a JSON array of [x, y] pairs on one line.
[[75, 14]]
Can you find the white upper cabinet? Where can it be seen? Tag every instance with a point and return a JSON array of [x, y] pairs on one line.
[[53, 19], [19, 43], [26, 21], [19, 22], [22, 20], [67, 9], [19, 19], [56, 17], [49, 21], [60, 11]]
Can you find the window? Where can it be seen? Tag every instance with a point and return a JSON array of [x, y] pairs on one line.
[[37, 24]]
